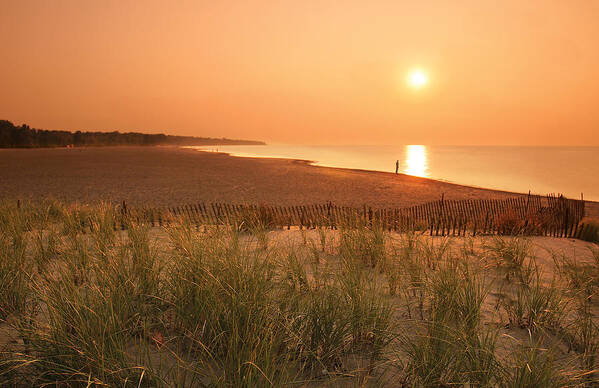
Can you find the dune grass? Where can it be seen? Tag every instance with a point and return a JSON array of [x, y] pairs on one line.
[[84, 302]]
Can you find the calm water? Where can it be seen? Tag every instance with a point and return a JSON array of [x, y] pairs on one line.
[[566, 170]]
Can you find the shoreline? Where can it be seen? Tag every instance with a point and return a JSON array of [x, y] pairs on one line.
[[460, 182], [174, 176], [313, 163]]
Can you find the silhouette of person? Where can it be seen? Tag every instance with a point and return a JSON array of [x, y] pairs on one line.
[[397, 166]]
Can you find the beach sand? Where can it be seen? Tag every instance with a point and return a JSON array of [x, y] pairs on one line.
[[159, 176], [170, 176]]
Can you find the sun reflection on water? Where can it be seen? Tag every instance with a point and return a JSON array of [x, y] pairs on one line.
[[416, 162]]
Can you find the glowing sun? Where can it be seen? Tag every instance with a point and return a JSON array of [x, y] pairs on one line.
[[417, 79]]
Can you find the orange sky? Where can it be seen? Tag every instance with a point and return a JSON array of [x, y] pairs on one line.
[[309, 72]]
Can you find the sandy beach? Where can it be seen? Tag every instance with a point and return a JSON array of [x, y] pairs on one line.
[[350, 281], [170, 176]]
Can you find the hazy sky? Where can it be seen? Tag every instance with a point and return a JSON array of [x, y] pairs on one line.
[[309, 72]]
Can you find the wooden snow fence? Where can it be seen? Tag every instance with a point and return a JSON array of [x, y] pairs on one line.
[[549, 215]]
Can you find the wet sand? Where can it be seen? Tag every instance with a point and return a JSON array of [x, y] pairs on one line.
[[159, 176]]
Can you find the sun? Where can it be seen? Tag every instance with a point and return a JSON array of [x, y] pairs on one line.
[[417, 78]]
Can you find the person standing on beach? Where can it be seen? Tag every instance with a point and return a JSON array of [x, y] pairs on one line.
[[397, 166]]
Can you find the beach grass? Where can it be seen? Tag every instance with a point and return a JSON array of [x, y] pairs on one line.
[[90, 297]]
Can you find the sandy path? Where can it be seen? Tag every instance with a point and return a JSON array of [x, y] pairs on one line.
[[173, 176]]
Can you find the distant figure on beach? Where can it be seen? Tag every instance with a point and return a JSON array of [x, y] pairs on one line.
[[397, 166]]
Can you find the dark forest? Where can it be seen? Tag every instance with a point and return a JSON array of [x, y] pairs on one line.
[[23, 136]]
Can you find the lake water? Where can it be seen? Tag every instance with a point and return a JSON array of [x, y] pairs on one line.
[[566, 170]]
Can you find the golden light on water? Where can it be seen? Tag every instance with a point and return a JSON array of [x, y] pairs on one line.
[[416, 162]]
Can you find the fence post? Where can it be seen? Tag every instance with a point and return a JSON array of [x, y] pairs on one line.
[[441, 203]]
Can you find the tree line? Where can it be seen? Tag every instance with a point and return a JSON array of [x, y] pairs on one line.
[[23, 136]]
